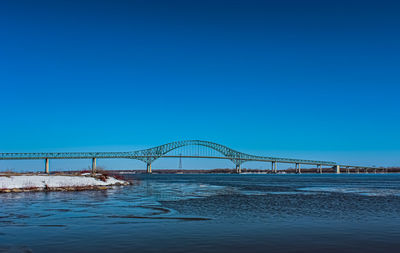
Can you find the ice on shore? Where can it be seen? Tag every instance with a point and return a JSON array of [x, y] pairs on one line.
[[37, 181]]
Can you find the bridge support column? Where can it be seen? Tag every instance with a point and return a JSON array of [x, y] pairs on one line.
[[46, 166], [320, 168], [337, 169], [148, 168], [298, 170], [274, 168], [93, 165], [238, 169]]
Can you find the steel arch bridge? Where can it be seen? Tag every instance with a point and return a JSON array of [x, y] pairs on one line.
[[164, 151]]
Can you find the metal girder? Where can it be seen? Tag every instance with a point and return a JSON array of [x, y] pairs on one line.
[[236, 157], [150, 155]]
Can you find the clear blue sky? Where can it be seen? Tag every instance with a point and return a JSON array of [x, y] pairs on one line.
[[308, 79]]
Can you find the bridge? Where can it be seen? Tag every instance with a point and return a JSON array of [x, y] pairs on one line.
[[205, 149]]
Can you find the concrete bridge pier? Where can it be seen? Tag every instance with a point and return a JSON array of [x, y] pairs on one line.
[[238, 169], [319, 168], [337, 169], [46, 165], [274, 168], [93, 165], [298, 170], [148, 168]]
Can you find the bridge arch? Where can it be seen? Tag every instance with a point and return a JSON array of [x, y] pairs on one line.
[[151, 154]]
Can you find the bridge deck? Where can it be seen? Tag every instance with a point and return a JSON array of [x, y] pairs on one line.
[[35, 156], [151, 154]]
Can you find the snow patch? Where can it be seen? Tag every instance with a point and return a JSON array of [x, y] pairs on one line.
[[37, 181]]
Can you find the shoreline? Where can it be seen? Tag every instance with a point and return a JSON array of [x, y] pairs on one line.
[[60, 182]]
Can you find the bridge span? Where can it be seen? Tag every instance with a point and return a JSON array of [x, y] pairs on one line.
[[149, 155]]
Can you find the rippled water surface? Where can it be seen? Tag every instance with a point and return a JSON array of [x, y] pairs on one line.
[[210, 213]]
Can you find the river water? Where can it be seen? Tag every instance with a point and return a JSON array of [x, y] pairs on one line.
[[210, 213]]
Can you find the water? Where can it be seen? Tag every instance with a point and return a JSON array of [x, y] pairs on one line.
[[210, 213]]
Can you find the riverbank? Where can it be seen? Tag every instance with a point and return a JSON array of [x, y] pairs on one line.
[[35, 182]]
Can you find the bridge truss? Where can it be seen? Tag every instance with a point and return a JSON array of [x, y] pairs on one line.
[[165, 151]]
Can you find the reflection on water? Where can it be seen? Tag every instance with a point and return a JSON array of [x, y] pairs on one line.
[[210, 213]]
